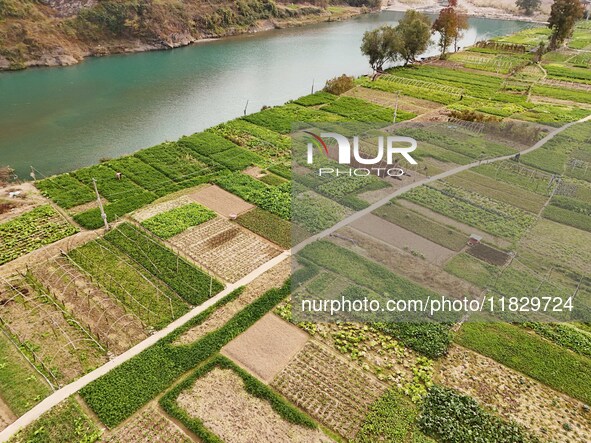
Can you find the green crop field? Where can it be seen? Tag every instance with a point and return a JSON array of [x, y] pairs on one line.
[[267, 225], [170, 223], [413, 221]]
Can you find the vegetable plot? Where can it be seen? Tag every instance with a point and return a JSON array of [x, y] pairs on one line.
[[170, 223], [25, 233]]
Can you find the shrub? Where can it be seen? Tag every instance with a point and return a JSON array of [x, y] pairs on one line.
[[339, 85]]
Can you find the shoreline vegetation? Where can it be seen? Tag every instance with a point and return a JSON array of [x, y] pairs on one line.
[[48, 35], [38, 35]]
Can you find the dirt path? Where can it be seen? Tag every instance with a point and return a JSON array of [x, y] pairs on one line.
[[6, 415], [74, 387]]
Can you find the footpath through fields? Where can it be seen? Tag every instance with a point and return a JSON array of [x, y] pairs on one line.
[[63, 393]]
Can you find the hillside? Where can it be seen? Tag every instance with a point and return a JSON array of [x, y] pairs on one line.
[[63, 32]]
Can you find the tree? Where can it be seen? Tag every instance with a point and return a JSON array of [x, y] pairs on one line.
[[528, 6], [461, 25], [414, 33], [563, 16], [380, 46], [445, 24]]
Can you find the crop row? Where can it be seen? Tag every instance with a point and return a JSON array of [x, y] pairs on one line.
[[360, 110], [124, 390], [189, 282], [318, 98], [31, 230], [275, 199], [267, 225], [170, 223], [494, 217], [281, 119]]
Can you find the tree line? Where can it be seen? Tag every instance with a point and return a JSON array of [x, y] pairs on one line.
[[412, 35]]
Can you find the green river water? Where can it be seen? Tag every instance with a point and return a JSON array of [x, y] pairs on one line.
[[59, 119]]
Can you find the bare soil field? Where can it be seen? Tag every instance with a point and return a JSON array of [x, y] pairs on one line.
[[147, 426], [225, 248], [273, 278], [330, 389], [11, 207], [221, 201], [488, 254], [455, 224], [97, 310], [6, 415], [515, 397], [413, 268], [266, 347], [219, 400], [57, 344], [155, 209], [402, 239]]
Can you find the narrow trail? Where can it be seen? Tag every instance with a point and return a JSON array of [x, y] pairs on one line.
[[63, 393]]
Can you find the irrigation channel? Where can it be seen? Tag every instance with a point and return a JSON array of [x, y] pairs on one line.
[[63, 393], [60, 119]]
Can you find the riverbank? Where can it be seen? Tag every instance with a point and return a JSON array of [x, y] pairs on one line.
[[46, 40], [498, 10]]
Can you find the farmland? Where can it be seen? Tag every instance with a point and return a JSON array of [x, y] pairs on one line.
[[32, 230], [193, 216]]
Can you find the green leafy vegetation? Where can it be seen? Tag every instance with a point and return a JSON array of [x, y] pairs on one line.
[[267, 225], [413, 221], [251, 385], [170, 223], [20, 386], [275, 199], [450, 417], [143, 294], [530, 354], [189, 282], [124, 390], [469, 207], [565, 335], [65, 190], [392, 418], [144, 175], [281, 118], [65, 423], [318, 98], [27, 232], [363, 111]]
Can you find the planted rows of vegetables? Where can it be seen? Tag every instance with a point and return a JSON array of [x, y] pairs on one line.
[[190, 283], [267, 225], [124, 390], [32, 230], [494, 217], [170, 223]]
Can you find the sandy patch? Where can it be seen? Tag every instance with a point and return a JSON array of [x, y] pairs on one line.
[[273, 278], [402, 239], [219, 400], [220, 201], [225, 248], [266, 347], [254, 171], [515, 397]]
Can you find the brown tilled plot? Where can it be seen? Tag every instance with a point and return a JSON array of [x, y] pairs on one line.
[[266, 347], [221, 201], [220, 401], [225, 248], [488, 254], [147, 426], [329, 388], [117, 329]]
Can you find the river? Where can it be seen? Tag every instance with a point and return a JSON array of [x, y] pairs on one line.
[[59, 119]]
